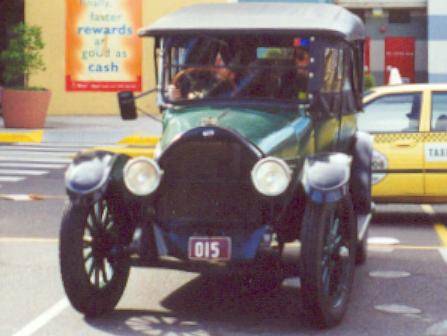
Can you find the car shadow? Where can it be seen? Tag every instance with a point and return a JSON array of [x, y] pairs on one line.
[[206, 306]]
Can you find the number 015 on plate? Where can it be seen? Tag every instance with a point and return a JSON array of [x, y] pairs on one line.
[[209, 248]]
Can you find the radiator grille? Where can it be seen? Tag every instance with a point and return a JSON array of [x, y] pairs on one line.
[[208, 183]]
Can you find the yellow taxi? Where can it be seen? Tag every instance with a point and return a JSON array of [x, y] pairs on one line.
[[409, 126]]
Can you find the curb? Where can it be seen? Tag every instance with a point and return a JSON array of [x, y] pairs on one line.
[[140, 140], [36, 136], [29, 136]]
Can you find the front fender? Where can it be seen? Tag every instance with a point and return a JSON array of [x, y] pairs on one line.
[[361, 173], [89, 175], [326, 177]]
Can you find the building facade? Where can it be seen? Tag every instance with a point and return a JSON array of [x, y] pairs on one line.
[[51, 16], [408, 34], [397, 37], [411, 34]]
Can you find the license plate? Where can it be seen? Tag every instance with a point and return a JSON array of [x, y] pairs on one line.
[[209, 248]]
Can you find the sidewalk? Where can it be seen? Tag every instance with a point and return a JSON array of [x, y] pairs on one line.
[[86, 130]]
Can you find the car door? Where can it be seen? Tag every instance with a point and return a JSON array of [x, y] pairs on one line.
[[435, 146], [394, 121]]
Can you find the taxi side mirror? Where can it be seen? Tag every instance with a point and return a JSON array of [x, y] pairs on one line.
[[128, 109]]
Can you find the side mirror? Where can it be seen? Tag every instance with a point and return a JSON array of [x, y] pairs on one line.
[[128, 109]]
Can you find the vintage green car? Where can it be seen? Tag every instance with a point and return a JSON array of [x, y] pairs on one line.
[[259, 148]]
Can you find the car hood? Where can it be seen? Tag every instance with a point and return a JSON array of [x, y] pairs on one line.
[[257, 126]]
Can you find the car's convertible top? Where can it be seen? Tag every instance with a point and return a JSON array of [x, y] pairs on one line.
[[253, 17]]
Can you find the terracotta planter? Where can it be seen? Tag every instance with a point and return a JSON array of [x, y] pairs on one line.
[[25, 109]]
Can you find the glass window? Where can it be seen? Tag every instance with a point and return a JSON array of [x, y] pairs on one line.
[[392, 113], [439, 112], [333, 70], [399, 16], [274, 53], [195, 68]]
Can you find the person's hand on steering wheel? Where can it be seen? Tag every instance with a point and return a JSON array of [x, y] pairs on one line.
[[201, 82]]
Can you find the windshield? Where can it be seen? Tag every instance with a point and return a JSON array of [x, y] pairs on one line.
[[243, 67]]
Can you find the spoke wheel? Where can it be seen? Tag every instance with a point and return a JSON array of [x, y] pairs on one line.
[[99, 240], [93, 272], [328, 239]]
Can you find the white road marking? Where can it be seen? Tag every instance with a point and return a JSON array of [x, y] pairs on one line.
[[443, 252], [43, 319], [34, 159], [428, 209], [383, 241], [31, 197], [47, 149], [11, 178], [58, 145], [294, 282], [440, 230], [27, 240], [32, 165], [437, 329], [24, 172], [397, 309], [389, 274], [42, 153]]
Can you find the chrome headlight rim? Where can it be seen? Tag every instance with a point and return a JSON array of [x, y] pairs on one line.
[[379, 162], [284, 167], [151, 162], [157, 150]]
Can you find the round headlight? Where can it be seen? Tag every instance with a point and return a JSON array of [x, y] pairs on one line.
[[271, 176], [142, 176]]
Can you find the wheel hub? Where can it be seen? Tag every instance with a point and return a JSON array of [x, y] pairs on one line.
[[343, 252]]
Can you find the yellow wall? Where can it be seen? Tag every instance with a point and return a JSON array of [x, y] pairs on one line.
[[50, 15]]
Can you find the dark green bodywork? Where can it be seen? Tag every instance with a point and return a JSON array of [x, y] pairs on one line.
[[287, 133]]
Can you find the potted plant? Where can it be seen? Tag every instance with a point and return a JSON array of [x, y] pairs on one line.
[[23, 106]]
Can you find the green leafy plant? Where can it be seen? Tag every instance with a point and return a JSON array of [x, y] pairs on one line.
[[369, 81], [23, 56]]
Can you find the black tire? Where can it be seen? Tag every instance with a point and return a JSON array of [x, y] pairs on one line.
[[362, 250], [93, 279], [328, 244]]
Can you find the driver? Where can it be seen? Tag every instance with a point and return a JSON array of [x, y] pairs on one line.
[[208, 75]]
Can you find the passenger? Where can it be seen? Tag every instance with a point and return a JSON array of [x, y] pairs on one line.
[[302, 61], [295, 81]]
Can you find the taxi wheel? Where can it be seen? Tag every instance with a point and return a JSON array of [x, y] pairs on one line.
[[94, 273], [328, 250]]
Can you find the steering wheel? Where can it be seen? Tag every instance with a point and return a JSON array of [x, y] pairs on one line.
[[201, 82]]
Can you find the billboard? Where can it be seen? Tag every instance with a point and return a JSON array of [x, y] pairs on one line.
[[103, 51]]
